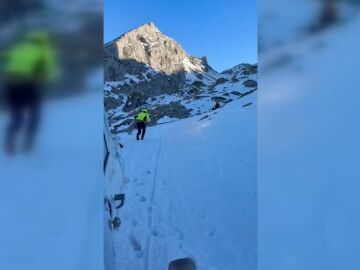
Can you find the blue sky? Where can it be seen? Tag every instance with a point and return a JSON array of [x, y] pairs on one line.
[[223, 30]]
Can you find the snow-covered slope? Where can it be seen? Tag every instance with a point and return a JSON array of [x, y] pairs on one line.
[[309, 150], [190, 191], [51, 199]]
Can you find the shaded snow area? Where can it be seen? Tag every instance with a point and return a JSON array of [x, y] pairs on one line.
[[51, 199], [309, 160], [190, 189]]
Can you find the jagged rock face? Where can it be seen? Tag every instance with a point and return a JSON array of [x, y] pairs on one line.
[[242, 69], [149, 46], [145, 68], [144, 47]]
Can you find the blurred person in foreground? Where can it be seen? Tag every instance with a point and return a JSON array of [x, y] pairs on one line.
[[29, 65]]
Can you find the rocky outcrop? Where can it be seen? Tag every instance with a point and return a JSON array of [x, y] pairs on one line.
[[145, 47], [250, 83]]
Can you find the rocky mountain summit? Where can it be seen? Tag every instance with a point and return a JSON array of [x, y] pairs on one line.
[[145, 68], [147, 45]]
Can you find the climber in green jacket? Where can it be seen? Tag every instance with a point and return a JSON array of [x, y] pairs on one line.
[[31, 60], [28, 66], [141, 120]]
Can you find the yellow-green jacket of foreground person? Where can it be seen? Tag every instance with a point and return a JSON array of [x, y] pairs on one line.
[[32, 59], [143, 116]]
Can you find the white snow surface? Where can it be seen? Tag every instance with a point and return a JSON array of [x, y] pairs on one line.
[[309, 152], [190, 192], [166, 119], [51, 199]]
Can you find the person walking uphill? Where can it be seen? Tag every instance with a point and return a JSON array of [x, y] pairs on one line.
[[141, 120], [29, 64], [216, 106]]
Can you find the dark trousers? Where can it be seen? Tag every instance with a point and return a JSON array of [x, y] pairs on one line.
[[24, 103], [141, 127]]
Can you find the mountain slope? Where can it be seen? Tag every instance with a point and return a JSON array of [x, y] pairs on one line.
[[146, 68]]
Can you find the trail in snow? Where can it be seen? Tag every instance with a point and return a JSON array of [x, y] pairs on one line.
[[191, 192]]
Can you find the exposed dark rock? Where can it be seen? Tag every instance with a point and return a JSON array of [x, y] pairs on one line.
[[220, 99], [218, 82], [250, 83], [236, 93], [247, 104]]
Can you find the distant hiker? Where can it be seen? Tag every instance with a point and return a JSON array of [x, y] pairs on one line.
[[216, 106], [141, 120], [29, 64]]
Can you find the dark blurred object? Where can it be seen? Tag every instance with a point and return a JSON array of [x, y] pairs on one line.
[[79, 53], [182, 264], [216, 106], [29, 64], [332, 12], [76, 28], [24, 102], [116, 222], [329, 13], [16, 9]]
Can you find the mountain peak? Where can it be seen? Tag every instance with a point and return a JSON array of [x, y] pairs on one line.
[[151, 24], [148, 45], [149, 27]]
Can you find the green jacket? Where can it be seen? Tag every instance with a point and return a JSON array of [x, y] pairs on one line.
[[143, 116], [31, 59]]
